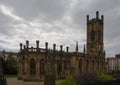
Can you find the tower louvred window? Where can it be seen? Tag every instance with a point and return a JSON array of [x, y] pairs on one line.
[[92, 35]]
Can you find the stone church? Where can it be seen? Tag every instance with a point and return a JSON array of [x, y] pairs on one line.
[[34, 61]]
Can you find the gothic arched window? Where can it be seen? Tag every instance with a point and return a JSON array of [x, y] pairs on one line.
[[92, 35], [80, 65], [32, 67], [42, 66]]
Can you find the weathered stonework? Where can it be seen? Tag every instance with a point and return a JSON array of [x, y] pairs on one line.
[[34, 64]]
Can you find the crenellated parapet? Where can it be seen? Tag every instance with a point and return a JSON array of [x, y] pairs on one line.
[[101, 20], [26, 48]]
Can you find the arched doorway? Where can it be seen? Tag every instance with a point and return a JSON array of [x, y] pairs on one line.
[[32, 67]]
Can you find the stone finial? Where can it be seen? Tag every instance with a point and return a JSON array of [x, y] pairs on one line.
[[87, 18], [97, 14], [102, 17], [46, 45], [61, 47], [27, 43], [37, 43], [76, 46], [84, 49], [24, 47], [67, 49], [20, 46], [54, 47]]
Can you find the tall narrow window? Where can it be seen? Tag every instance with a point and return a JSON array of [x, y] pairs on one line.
[[87, 67], [59, 67], [99, 35], [92, 67], [23, 69], [92, 35], [65, 64], [32, 67], [80, 65], [42, 66], [23, 65], [98, 66]]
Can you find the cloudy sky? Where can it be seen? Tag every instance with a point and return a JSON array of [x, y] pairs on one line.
[[57, 21]]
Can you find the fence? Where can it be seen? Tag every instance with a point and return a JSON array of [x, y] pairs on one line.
[[113, 82], [3, 81]]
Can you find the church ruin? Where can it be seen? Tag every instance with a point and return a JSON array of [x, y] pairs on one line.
[[32, 60]]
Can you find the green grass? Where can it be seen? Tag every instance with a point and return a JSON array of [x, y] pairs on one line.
[[105, 77], [68, 81]]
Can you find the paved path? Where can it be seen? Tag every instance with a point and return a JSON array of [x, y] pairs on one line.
[[14, 81]]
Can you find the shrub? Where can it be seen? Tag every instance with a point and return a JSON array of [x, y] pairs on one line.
[[68, 81], [85, 78]]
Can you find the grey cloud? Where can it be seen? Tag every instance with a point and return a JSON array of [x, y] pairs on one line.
[[53, 12], [46, 9], [80, 10], [4, 24], [110, 9]]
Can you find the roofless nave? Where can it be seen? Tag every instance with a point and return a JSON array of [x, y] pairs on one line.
[[34, 63]]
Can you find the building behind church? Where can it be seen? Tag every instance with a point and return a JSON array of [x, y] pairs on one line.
[[114, 63], [32, 60]]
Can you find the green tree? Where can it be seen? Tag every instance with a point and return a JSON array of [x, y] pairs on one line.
[[11, 64]]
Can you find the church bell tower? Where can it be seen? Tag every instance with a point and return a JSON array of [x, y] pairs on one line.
[[95, 44]]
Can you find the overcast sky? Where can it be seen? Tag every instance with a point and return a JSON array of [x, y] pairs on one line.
[[57, 21]]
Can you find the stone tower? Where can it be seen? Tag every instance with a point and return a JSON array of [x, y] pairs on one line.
[[95, 35]]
